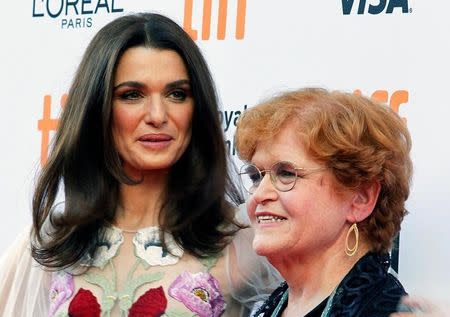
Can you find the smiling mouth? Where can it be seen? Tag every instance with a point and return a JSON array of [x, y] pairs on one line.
[[270, 219]]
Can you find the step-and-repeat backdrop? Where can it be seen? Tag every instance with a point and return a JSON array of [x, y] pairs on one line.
[[397, 51]]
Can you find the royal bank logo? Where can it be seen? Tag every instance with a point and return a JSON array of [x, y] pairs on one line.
[[74, 14], [375, 6]]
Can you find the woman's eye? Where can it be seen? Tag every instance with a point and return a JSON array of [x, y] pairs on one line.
[[286, 173], [131, 95], [178, 95], [255, 178]]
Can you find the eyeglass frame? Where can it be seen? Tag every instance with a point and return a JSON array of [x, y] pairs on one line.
[[274, 178]]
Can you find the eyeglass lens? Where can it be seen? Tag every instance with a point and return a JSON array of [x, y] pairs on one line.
[[282, 175]]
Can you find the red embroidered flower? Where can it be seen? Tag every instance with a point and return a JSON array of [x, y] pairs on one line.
[[84, 304], [152, 304]]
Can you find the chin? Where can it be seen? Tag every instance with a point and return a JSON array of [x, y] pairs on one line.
[[155, 167], [262, 248], [150, 164]]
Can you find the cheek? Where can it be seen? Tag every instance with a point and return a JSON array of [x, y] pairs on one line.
[[251, 206], [122, 120], [297, 204], [305, 207], [122, 126], [183, 119]]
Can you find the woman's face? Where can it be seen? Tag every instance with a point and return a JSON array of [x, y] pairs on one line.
[[309, 218], [152, 109]]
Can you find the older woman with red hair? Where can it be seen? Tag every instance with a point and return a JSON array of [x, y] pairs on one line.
[[328, 175]]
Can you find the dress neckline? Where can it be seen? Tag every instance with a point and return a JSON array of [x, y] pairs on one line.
[[115, 227], [148, 247]]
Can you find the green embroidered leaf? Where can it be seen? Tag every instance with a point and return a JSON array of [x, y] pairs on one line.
[[109, 295], [107, 302], [125, 303], [126, 296], [144, 263], [210, 262], [133, 284], [178, 313], [101, 281]]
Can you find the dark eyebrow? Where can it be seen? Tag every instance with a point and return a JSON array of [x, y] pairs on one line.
[[134, 84], [178, 83]]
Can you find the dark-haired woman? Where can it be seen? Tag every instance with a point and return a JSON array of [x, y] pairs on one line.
[[148, 211]]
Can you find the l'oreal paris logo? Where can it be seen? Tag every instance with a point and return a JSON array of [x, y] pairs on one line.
[[74, 13], [374, 7]]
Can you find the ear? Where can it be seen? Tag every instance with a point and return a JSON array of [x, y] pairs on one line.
[[363, 202]]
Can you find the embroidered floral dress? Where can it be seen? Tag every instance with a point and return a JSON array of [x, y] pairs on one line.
[[132, 275]]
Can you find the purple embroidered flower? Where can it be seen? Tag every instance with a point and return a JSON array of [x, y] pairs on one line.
[[200, 292], [61, 290]]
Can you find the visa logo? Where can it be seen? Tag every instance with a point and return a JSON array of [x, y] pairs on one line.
[[379, 7]]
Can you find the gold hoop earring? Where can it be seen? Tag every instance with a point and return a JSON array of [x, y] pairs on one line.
[[351, 251]]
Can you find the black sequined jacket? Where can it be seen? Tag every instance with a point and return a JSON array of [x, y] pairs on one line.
[[368, 290]]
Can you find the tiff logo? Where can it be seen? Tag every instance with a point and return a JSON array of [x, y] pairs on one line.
[[377, 8], [222, 19], [396, 99], [48, 124]]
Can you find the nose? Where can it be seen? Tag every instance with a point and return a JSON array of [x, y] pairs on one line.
[[265, 191], [155, 111]]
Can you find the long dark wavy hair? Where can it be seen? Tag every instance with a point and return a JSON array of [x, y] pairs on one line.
[[198, 209]]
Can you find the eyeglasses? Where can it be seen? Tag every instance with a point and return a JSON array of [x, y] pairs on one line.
[[283, 175]]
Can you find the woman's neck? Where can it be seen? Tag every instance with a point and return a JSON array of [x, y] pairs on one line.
[[140, 204], [313, 277]]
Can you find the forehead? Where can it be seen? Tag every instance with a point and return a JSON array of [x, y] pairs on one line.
[[145, 62], [286, 145]]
